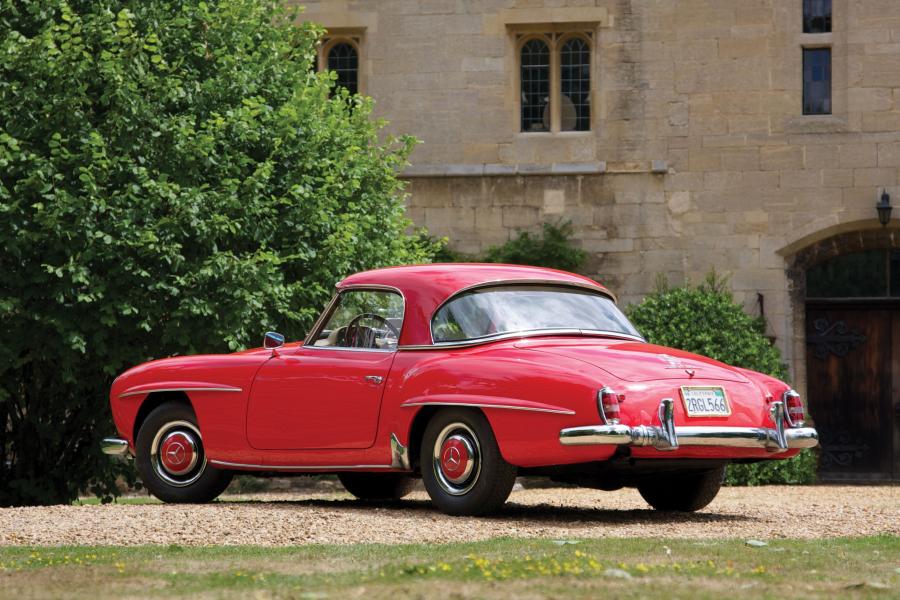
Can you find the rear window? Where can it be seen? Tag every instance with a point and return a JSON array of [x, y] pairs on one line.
[[492, 311]]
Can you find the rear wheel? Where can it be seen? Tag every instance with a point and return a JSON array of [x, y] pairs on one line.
[[171, 460], [683, 492], [462, 468], [377, 486]]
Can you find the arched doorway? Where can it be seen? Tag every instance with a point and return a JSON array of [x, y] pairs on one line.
[[851, 286]]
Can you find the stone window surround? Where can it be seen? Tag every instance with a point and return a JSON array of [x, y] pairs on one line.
[[554, 35], [355, 36]]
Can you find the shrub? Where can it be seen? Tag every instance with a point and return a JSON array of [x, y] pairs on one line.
[[173, 179], [705, 319], [553, 248]]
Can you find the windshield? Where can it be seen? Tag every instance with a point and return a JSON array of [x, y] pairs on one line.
[[493, 311]]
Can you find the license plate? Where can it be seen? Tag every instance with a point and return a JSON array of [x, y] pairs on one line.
[[705, 402]]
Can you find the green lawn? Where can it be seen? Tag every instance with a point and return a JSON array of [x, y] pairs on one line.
[[852, 567]]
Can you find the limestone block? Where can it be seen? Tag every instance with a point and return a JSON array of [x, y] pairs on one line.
[[742, 47], [868, 99], [874, 177], [889, 154], [779, 158], [554, 202], [520, 217], [837, 178], [882, 121], [857, 155], [740, 159], [801, 179], [488, 218], [819, 156]]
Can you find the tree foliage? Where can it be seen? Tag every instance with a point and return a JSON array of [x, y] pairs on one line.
[[174, 178]]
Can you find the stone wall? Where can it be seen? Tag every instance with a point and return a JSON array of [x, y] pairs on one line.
[[699, 157]]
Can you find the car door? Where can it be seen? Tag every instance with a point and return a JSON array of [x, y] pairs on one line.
[[327, 394]]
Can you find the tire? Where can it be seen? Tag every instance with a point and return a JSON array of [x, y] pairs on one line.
[[479, 481], [170, 458], [377, 486], [684, 492]]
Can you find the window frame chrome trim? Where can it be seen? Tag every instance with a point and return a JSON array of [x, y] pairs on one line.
[[309, 341], [522, 335]]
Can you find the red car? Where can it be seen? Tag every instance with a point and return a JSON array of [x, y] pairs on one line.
[[465, 376]]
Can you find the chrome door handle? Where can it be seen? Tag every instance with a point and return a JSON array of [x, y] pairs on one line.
[[376, 379]]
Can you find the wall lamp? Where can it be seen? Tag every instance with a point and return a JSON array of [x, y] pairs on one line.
[[884, 208]]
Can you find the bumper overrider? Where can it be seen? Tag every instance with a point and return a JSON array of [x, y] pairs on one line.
[[114, 446], [667, 436]]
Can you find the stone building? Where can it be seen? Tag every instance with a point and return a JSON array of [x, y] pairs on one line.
[[753, 137]]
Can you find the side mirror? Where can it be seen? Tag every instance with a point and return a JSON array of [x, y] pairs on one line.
[[273, 340]]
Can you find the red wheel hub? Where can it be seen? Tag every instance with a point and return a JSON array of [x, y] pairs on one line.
[[455, 459], [178, 453]]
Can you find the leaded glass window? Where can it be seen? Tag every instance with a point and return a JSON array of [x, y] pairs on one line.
[[344, 61], [575, 85], [867, 274], [817, 81], [535, 85], [816, 16]]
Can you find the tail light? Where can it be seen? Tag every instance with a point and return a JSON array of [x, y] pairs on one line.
[[793, 409], [608, 402]]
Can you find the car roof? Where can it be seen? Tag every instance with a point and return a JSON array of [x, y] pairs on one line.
[[426, 287]]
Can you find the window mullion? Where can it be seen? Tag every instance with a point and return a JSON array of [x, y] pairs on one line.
[[555, 86]]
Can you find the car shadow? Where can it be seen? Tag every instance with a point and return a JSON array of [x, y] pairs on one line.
[[511, 511]]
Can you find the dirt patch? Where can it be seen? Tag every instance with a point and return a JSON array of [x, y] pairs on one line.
[[290, 519]]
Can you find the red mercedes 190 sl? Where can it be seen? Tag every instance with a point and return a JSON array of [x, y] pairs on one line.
[[465, 376]]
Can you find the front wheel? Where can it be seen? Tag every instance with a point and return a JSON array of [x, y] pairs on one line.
[[682, 492], [462, 468], [171, 460]]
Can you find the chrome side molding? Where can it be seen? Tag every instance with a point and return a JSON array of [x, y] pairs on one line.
[[667, 436]]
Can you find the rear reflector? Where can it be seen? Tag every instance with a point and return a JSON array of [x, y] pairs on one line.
[[608, 403], [794, 411]]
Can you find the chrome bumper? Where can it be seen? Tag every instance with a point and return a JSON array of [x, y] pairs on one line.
[[115, 446], [667, 436]]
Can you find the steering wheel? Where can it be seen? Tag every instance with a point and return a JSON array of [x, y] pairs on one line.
[[352, 334]]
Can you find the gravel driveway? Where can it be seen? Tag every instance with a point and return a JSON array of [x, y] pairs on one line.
[[274, 520]]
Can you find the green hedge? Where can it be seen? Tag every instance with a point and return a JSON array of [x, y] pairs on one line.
[[706, 320]]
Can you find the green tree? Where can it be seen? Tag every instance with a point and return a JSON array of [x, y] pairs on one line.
[[706, 320], [174, 178]]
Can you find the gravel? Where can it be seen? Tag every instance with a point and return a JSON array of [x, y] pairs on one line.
[[334, 517]]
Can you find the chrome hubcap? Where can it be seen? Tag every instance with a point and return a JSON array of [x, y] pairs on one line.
[[177, 453], [457, 459]]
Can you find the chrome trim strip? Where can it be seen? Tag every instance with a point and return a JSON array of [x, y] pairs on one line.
[[399, 454], [181, 389], [309, 341], [487, 405], [520, 335], [114, 446], [669, 437], [223, 463]]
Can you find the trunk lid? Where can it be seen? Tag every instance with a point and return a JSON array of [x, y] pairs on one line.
[[636, 361]]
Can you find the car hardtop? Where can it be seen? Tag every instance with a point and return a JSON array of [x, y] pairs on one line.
[[426, 287]]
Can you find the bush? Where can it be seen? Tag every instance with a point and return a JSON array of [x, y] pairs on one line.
[[706, 320], [173, 179], [553, 248]]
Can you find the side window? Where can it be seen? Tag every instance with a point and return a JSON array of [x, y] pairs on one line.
[[364, 319]]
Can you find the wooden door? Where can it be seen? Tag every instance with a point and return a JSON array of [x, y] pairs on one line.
[[853, 381]]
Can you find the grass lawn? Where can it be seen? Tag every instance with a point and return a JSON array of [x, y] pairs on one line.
[[499, 568]]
